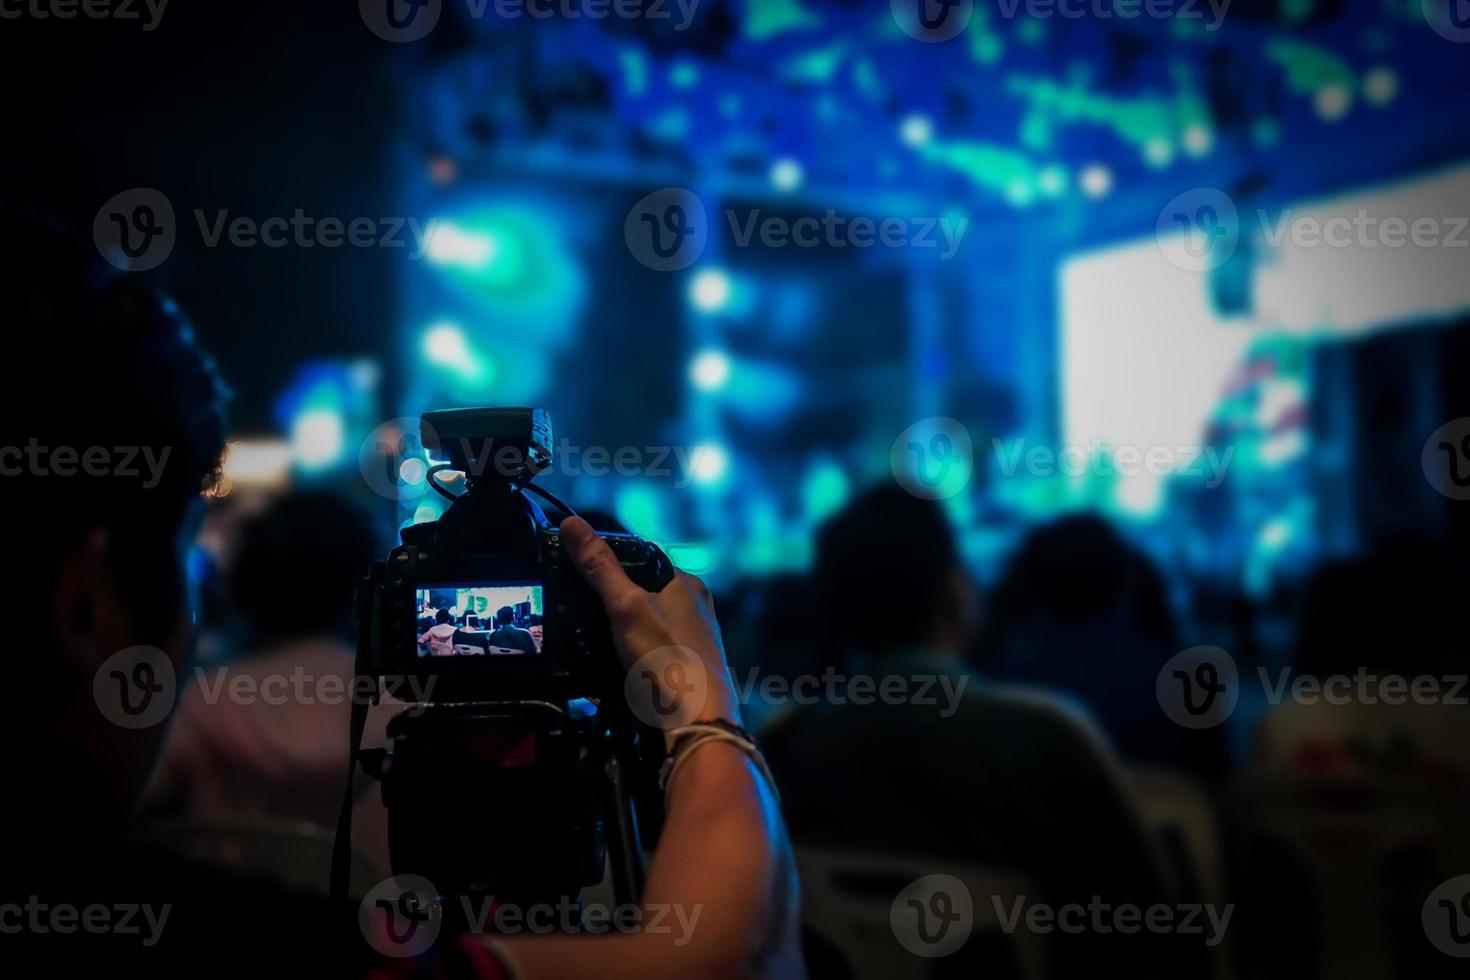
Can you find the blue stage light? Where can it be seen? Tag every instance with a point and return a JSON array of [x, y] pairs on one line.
[[1158, 151], [318, 438], [1381, 86], [1198, 139], [786, 174], [709, 370], [916, 130], [1052, 181], [446, 346], [449, 244], [710, 290], [1097, 181], [709, 463], [1333, 101]]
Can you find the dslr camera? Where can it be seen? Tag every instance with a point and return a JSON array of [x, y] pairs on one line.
[[522, 772], [483, 604]]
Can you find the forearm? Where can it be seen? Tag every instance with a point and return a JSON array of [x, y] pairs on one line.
[[722, 865], [724, 851]]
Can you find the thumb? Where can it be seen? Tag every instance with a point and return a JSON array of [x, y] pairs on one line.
[[595, 560]]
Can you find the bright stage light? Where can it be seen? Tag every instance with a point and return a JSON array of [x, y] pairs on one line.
[[1381, 86], [448, 244], [1158, 151], [710, 290], [786, 174], [257, 462], [710, 370], [709, 462], [1052, 180], [444, 344], [318, 438], [1097, 181], [1198, 139], [1333, 101], [916, 130]]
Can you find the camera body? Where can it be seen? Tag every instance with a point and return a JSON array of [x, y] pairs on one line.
[[483, 604]]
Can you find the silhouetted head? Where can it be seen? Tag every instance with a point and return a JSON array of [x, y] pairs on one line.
[[298, 565], [111, 424], [505, 615], [1077, 570], [889, 577], [1387, 611]]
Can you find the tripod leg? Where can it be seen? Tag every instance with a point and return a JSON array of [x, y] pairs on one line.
[[624, 852]]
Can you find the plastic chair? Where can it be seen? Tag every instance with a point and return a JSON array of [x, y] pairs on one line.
[[298, 854], [847, 897], [1354, 859]]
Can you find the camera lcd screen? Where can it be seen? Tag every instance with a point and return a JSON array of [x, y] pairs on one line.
[[480, 620]]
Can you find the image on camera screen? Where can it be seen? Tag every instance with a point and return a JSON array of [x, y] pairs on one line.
[[499, 619]]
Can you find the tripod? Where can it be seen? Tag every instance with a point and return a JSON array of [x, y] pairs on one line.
[[518, 803]]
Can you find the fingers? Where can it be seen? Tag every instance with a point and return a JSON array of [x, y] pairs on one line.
[[596, 561]]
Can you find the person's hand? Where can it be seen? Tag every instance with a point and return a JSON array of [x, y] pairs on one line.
[[669, 638]]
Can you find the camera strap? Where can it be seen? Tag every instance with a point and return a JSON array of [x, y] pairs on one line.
[[342, 845]]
